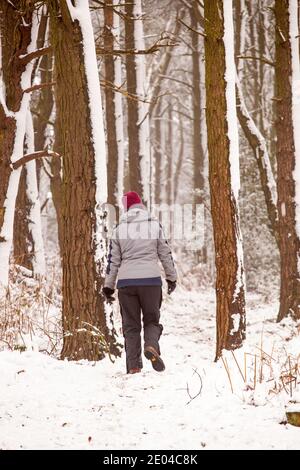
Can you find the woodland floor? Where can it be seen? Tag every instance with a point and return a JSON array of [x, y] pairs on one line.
[[51, 404]]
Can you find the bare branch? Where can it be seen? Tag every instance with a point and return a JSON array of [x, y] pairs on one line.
[[25, 59], [38, 87], [191, 29], [262, 59], [177, 80], [151, 50], [124, 92], [33, 156]]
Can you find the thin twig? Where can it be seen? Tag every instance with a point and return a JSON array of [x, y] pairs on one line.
[[227, 371], [200, 389]]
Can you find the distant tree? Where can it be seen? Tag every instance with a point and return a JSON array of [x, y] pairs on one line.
[[198, 154], [138, 110], [113, 105]]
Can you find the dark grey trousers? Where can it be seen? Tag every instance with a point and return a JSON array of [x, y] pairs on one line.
[[134, 300]]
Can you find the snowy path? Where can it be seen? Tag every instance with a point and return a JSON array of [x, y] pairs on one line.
[[50, 404]]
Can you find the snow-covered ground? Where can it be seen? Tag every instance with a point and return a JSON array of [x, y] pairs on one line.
[[51, 404]]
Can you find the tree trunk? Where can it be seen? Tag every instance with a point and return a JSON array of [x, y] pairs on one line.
[[56, 177], [28, 240], [138, 112], [18, 37], [43, 109], [110, 112], [259, 146], [286, 162], [157, 154], [224, 174], [198, 156], [21, 236], [84, 185], [170, 157]]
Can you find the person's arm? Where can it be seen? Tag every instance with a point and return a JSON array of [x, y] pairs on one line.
[[165, 256], [114, 262]]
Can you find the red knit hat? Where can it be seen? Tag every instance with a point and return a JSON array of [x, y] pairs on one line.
[[130, 198]]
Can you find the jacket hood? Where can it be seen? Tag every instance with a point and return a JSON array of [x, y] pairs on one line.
[[136, 213]]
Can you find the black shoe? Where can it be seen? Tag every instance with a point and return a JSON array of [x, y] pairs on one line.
[[153, 356]]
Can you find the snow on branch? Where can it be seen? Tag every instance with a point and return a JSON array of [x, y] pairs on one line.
[[25, 59], [259, 146], [33, 156]]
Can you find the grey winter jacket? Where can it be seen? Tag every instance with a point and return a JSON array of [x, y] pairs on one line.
[[136, 245]]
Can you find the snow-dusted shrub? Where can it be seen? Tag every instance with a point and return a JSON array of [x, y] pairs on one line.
[[30, 312]]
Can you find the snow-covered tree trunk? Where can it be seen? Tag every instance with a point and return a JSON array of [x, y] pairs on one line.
[[224, 176], [169, 157], [287, 79], [259, 146], [37, 252], [113, 106], [198, 155], [28, 240], [18, 38], [85, 315], [157, 154], [138, 111]]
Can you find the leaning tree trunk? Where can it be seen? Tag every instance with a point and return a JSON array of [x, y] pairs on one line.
[[138, 110], [287, 151], [259, 146], [84, 189], [224, 173]]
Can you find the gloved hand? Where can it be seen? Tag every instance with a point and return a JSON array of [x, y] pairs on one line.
[[171, 286], [108, 292]]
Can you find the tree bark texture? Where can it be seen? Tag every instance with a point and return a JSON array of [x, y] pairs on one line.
[[198, 154], [83, 306], [15, 38], [134, 151], [230, 297], [285, 155], [110, 110]]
